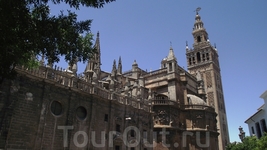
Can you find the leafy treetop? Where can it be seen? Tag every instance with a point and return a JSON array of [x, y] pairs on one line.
[[27, 30], [250, 143]]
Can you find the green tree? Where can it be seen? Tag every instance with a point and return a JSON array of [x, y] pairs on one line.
[[27, 30], [262, 142], [249, 143]]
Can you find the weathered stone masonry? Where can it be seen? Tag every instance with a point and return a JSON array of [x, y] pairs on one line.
[[31, 124]]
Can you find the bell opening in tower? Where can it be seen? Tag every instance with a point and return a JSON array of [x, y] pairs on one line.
[[198, 39]]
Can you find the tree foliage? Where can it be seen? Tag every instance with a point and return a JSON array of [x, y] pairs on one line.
[[27, 29], [249, 143]]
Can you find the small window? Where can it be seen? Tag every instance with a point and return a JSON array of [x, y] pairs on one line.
[[258, 129], [190, 61], [56, 108], [118, 128], [144, 134], [199, 39], [106, 118], [252, 130], [170, 66], [203, 57], [81, 113], [132, 133], [198, 57], [117, 147], [207, 55]]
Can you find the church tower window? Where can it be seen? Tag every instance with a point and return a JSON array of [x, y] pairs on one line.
[[106, 118], [190, 63], [198, 57], [170, 66], [207, 55], [203, 57], [198, 38]]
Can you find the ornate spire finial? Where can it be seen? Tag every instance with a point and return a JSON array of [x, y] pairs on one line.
[[119, 66], [114, 69], [171, 55], [120, 60], [197, 10], [186, 45], [114, 63], [97, 35]]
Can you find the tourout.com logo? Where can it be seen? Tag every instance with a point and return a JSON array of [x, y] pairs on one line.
[[111, 136]]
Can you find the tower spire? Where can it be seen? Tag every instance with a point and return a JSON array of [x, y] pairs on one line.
[[171, 55], [119, 71], [199, 32], [114, 69], [97, 47], [94, 62]]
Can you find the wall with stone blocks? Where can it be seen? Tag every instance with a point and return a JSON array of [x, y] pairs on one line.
[[34, 113]]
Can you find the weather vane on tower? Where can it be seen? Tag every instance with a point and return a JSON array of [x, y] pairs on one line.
[[197, 10]]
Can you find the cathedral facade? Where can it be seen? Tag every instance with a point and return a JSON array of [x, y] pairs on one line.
[[169, 108]]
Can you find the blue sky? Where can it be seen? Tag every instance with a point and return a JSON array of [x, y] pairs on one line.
[[142, 31]]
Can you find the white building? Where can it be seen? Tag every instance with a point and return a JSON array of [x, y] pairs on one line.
[[257, 122]]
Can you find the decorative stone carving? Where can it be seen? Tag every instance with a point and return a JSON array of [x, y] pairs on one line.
[[211, 99], [198, 76], [208, 79], [162, 118]]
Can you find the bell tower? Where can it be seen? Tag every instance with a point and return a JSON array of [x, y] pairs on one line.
[[203, 59]]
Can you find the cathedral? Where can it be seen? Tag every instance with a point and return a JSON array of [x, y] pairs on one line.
[[167, 109]]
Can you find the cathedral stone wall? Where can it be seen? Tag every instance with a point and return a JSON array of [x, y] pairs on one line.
[[35, 112]]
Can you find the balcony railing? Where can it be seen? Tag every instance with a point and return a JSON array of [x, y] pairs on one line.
[[202, 107], [163, 102]]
